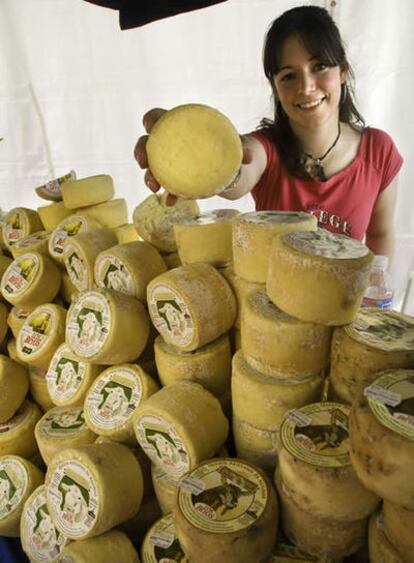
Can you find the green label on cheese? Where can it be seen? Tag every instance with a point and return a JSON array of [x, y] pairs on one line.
[[15, 227], [89, 324], [68, 228], [112, 273], [65, 375], [13, 484], [20, 274], [171, 315], [76, 268], [36, 331], [62, 423]]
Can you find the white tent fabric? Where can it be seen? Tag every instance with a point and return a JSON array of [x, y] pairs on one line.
[[74, 87]]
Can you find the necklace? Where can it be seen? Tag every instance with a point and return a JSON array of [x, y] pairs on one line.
[[315, 168]]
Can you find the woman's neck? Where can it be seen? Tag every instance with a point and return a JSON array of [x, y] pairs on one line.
[[317, 140]]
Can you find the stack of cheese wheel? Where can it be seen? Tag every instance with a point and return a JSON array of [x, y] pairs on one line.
[[382, 452], [19, 223], [325, 508]]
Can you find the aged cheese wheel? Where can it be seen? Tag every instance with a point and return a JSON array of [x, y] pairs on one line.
[[136, 528], [398, 528], [154, 219], [111, 546], [12, 353], [16, 319], [87, 191], [194, 151], [31, 280], [161, 544], [38, 388], [14, 384], [382, 437], [277, 344], [334, 269], [242, 288], [166, 430], [252, 236], [206, 238], [111, 214], [51, 190], [42, 332], [113, 399], [226, 511], [315, 466], [209, 365], [36, 242], [69, 227], [165, 488], [18, 479], [17, 434], [376, 340], [92, 488], [255, 445], [52, 214], [262, 400], [126, 233], [19, 223], [381, 550], [129, 268], [97, 323], [191, 305]]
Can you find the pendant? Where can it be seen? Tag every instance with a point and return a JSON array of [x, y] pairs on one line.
[[318, 172]]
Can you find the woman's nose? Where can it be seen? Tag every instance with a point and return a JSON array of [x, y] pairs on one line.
[[307, 83]]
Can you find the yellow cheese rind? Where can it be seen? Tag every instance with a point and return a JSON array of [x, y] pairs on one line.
[[87, 191], [110, 214], [242, 288], [165, 488], [110, 478], [191, 306], [154, 219], [16, 319], [398, 528], [38, 388], [36, 242], [210, 365], [14, 384], [110, 546], [381, 550], [185, 142], [126, 233], [17, 434], [255, 445], [52, 214], [19, 223], [334, 284]]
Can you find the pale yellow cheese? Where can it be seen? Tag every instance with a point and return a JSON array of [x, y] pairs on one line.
[[191, 305], [93, 488], [398, 528], [11, 351], [36, 242], [52, 214], [381, 550], [51, 190], [16, 319], [111, 546], [252, 236], [129, 268], [110, 214], [17, 434], [242, 288], [255, 445], [14, 384], [161, 544], [126, 233], [19, 223], [107, 327], [68, 291], [165, 488], [87, 191], [38, 388], [4, 313], [69, 227]]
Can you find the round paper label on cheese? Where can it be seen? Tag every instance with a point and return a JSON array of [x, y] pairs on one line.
[[68, 228], [274, 217], [14, 227], [113, 398], [234, 497], [36, 330], [32, 240], [162, 545], [89, 324], [171, 315], [19, 275], [326, 244], [384, 330], [65, 375], [76, 268], [162, 444], [62, 423], [112, 273], [13, 483], [392, 401], [73, 494], [318, 434]]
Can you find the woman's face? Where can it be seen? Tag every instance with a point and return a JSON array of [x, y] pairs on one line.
[[308, 90]]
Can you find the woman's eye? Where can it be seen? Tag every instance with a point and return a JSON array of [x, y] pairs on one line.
[[320, 66], [287, 77]]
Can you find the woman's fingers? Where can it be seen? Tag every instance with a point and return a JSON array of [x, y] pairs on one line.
[[151, 182], [151, 117], [140, 152]]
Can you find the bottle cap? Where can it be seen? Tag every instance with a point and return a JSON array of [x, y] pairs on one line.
[[380, 261]]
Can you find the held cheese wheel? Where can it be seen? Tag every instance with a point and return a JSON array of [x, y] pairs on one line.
[[334, 269], [17, 434], [161, 544], [110, 214], [19, 223], [111, 546], [14, 384], [87, 191], [69, 227], [194, 151]]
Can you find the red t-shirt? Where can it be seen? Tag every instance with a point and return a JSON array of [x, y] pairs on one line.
[[344, 203]]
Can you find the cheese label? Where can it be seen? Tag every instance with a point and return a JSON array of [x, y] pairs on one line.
[[65, 374], [113, 398], [36, 330], [324, 440], [76, 268], [33, 240], [234, 498], [13, 483], [15, 227], [62, 423], [170, 315], [20, 274], [112, 273], [89, 324], [52, 188], [43, 539], [161, 544], [162, 444], [274, 217], [397, 417], [70, 227], [73, 494], [383, 330], [326, 244]]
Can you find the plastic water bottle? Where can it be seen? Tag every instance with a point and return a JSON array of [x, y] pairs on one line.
[[379, 293]]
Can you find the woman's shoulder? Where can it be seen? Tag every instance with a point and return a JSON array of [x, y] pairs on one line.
[[379, 149]]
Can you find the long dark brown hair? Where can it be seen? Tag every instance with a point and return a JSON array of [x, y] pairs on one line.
[[322, 39]]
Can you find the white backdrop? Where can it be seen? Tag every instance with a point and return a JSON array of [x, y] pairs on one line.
[[74, 87]]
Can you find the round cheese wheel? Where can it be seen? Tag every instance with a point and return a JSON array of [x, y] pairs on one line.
[[165, 426], [191, 305], [334, 269], [398, 527], [226, 511], [67, 228], [17, 434], [52, 214], [382, 437], [185, 142], [154, 219], [14, 384], [206, 238], [242, 288], [111, 546], [95, 329], [165, 488], [110, 214], [126, 233], [87, 191], [51, 190], [38, 388], [161, 543], [381, 550], [36, 242], [19, 223], [16, 319], [255, 445], [12, 353]]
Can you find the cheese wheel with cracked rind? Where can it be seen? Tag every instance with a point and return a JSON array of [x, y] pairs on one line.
[[375, 341], [334, 269], [93, 488], [231, 501], [52, 214], [315, 465], [154, 219], [382, 437], [184, 143], [95, 328], [110, 546], [279, 345], [110, 214], [14, 384], [19, 223], [42, 332], [255, 445], [18, 479], [252, 236], [69, 227], [206, 238], [161, 543], [262, 400], [165, 488], [381, 550], [191, 306], [398, 528], [129, 268], [126, 233], [17, 434], [165, 426], [51, 190], [113, 399], [36, 242], [242, 288], [31, 280], [87, 191], [38, 388], [210, 365]]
